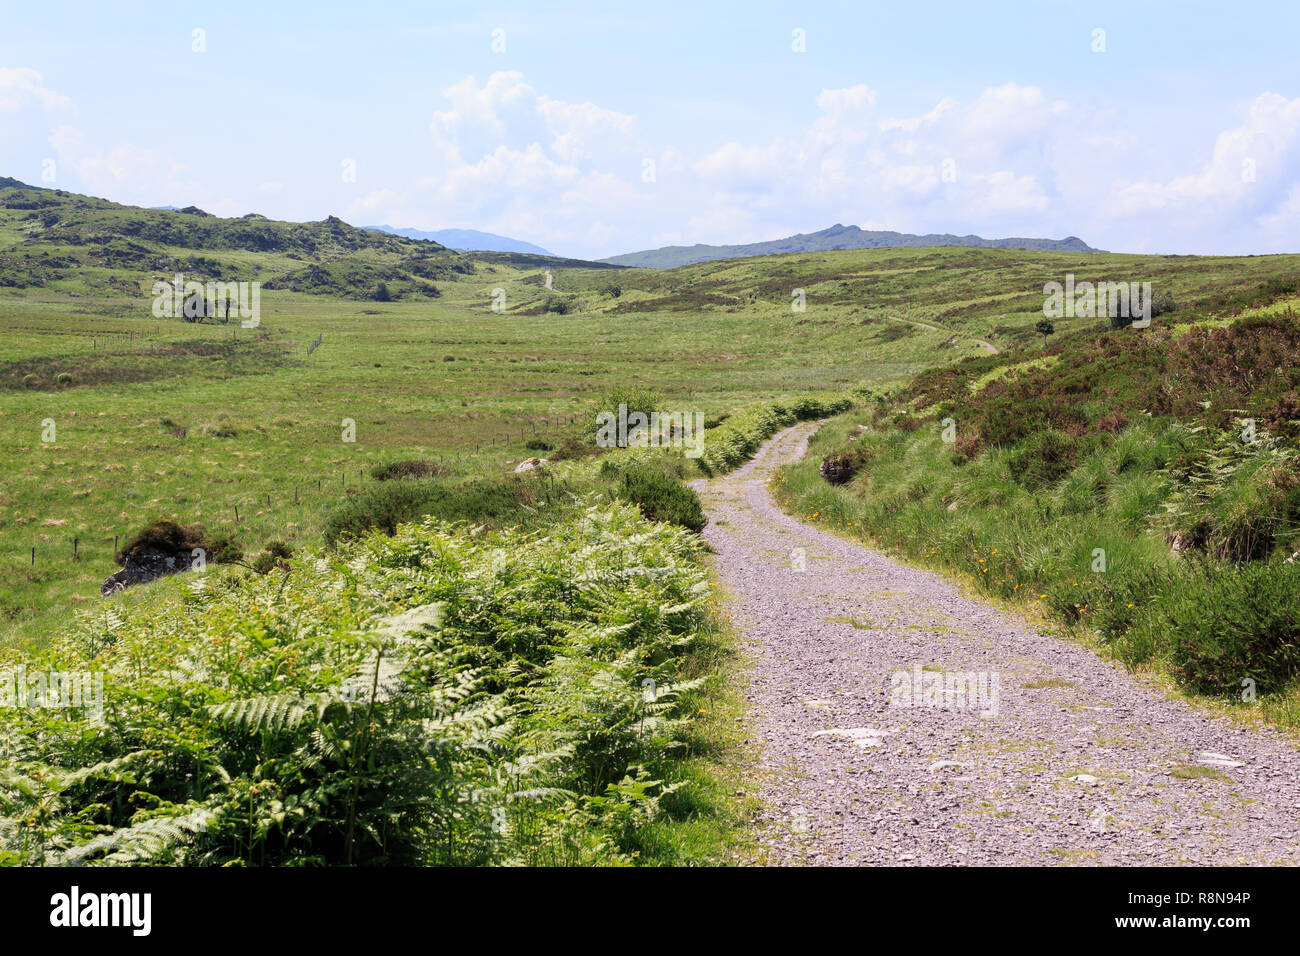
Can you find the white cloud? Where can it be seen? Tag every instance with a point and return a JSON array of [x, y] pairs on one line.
[[1253, 164], [507, 112], [22, 87]]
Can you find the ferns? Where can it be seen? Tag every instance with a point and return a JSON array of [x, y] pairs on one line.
[[267, 714], [153, 839], [435, 697]]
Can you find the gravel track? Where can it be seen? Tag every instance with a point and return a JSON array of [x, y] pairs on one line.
[[1081, 764]]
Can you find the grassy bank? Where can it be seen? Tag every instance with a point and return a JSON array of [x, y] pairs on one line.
[[1160, 533]]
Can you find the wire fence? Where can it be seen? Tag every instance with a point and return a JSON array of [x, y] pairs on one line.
[[92, 544]]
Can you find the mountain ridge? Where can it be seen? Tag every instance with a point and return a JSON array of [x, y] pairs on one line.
[[837, 236], [466, 240]]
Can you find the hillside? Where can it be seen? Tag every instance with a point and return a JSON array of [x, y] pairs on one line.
[[836, 237], [50, 239], [1140, 490]]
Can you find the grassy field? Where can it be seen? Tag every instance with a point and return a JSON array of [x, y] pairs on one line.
[[167, 418]]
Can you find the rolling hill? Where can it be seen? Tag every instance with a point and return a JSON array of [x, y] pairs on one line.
[[67, 242], [836, 237]]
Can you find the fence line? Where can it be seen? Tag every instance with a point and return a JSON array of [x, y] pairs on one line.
[[76, 544]]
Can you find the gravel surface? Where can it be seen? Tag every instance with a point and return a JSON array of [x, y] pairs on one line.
[[1073, 762]]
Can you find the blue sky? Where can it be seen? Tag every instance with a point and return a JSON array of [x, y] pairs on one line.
[[603, 128]]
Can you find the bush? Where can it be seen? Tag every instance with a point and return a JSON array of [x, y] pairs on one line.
[[662, 497], [168, 537], [411, 468], [385, 506], [278, 549]]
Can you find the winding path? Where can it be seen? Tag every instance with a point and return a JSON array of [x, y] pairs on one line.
[[987, 346], [1081, 763]]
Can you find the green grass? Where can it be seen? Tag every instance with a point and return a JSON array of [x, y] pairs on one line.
[[1194, 772]]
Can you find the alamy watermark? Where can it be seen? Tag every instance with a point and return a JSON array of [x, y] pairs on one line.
[[53, 690], [1092, 300], [626, 429], [193, 300], [945, 690]]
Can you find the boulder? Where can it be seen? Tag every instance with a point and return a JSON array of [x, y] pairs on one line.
[[530, 464], [143, 566], [838, 469]]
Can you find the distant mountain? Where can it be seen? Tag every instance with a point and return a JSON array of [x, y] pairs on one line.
[[836, 237], [466, 240]]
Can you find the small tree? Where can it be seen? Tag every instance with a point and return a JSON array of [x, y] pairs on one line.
[[1045, 328], [382, 294]]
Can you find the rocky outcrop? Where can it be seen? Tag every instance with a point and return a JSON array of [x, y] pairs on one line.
[[143, 566]]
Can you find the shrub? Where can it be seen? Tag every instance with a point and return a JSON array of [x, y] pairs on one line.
[[223, 550], [411, 468], [538, 444], [662, 497], [168, 537], [278, 549], [385, 506]]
